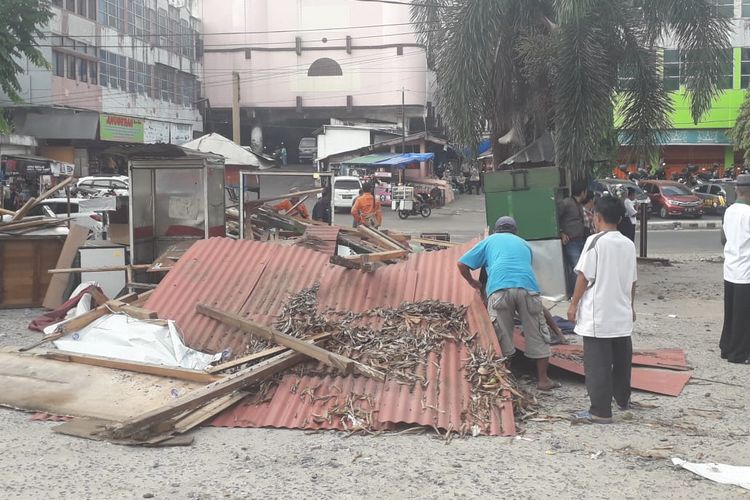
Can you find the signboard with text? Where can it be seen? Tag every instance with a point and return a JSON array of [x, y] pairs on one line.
[[120, 128]]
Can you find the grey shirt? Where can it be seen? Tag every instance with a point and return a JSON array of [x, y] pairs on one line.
[[570, 217]]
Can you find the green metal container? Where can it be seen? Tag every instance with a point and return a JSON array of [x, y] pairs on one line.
[[529, 196]]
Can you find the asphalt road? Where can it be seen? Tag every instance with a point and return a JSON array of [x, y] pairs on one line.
[[465, 219]]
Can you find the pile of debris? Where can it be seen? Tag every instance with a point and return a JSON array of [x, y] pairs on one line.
[[20, 222]]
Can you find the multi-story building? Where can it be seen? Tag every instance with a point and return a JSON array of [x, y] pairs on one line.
[[300, 63], [121, 71], [707, 143]]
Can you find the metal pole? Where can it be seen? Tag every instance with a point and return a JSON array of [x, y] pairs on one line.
[[236, 136], [242, 205], [403, 121], [644, 230]]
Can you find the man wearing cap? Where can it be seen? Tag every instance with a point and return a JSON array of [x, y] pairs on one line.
[[735, 336], [511, 288]]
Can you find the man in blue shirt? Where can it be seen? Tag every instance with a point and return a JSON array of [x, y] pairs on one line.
[[512, 288]]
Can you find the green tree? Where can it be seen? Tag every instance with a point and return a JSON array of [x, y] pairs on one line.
[[740, 134], [20, 30], [525, 66]]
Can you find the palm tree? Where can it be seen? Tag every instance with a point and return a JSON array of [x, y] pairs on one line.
[[525, 66]]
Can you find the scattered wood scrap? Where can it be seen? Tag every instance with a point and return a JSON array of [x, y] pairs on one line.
[[337, 361]]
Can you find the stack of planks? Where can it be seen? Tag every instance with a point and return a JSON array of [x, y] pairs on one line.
[[19, 222]]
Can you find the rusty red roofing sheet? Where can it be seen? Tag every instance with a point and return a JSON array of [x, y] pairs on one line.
[[255, 279], [328, 236], [662, 371]]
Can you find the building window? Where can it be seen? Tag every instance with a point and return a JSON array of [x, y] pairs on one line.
[[671, 70], [727, 70], [187, 44], [162, 28], [83, 70], [103, 68], [174, 30], [136, 18], [745, 68], [122, 73], [92, 10], [93, 72], [112, 14], [745, 8], [132, 88], [58, 63], [71, 67], [325, 67], [725, 8], [70, 5], [150, 27]]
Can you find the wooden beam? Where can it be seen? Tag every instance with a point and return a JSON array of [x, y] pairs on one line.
[[60, 185], [133, 366], [377, 256], [141, 424], [98, 296], [209, 411], [32, 224], [436, 243], [99, 269], [382, 239], [142, 298], [138, 312], [337, 361], [283, 197], [300, 202], [261, 355], [21, 213]]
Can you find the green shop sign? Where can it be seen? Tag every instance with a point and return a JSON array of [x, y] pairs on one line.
[[120, 129], [688, 138]]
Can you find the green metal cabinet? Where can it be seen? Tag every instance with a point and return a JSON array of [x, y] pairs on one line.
[[529, 196]]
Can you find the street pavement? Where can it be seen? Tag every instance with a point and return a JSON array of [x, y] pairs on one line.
[[464, 219]]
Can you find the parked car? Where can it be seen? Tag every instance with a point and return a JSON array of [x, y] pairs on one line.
[[58, 208], [609, 186], [345, 190], [308, 149], [672, 199], [103, 186], [714, 197]]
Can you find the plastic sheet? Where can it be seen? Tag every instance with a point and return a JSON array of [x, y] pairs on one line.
[[720, 473]]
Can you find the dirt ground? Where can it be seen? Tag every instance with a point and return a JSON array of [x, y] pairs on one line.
[[630, 459]]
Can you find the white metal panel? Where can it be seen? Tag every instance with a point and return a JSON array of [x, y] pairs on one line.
[[111, 282]]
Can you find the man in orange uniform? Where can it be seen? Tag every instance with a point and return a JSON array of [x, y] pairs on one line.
[[366, 210], [288, 207]]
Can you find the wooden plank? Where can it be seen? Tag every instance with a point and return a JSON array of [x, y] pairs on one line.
[[32, 224], [21, 213], [380, 238], [142, 299], [436, 243], [133, 366], [260, 355], [69, 270], [209, 411], [98, 296], [337, 361], [141, 424], [283, 197], [377, 256], [139, 313], [76, 237], [60, 185]]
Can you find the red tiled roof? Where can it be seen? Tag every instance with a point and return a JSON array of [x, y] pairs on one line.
[[255, 279]]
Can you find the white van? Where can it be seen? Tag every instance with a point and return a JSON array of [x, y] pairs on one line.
[[345, 190]]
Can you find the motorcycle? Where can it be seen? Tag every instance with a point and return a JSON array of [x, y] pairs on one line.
[[420, 206]]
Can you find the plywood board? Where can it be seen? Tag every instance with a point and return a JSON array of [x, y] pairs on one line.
[[59, 282], [32, 383]]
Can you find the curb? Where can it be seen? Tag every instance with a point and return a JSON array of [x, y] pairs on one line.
[[680, 225]]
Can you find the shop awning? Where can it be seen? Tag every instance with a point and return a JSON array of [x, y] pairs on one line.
[[391, 159]]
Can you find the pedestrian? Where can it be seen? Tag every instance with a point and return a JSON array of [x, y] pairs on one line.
[[627, 225], [322, 209], [588, 213], [475, 180], [292, 206], [572, 229], [366, 209], [735, 335], [512, 288], [284, 155], [603, 310]]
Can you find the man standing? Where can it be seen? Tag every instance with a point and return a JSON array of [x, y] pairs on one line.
[[602, 308], [627, 226], [366, 209], [322, 209], [572, 229], [735, 336], [511, 288]]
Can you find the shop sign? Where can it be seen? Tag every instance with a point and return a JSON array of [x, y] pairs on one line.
[[61, 169], [120, 128], [710, 137], [155, 132], [181, 133]]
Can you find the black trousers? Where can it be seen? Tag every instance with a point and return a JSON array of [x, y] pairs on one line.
[[607, 364], [735, 336]]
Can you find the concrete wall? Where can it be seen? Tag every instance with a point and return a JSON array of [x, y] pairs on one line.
[[373, 73]]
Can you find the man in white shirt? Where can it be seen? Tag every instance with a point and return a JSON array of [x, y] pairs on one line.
[[630, 219], [735, 336], [603, 309]]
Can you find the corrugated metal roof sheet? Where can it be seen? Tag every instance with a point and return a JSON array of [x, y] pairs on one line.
[[255, 279]]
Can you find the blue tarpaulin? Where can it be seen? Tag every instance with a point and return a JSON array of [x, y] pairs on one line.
[[391, 160]]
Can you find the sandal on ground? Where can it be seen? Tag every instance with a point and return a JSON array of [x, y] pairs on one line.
[[555, 385], [585, 417], [745, 362]]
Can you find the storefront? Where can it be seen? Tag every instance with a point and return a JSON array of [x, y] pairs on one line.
[[24, 177]]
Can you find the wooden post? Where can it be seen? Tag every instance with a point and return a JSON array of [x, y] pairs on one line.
[[236, 131]]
